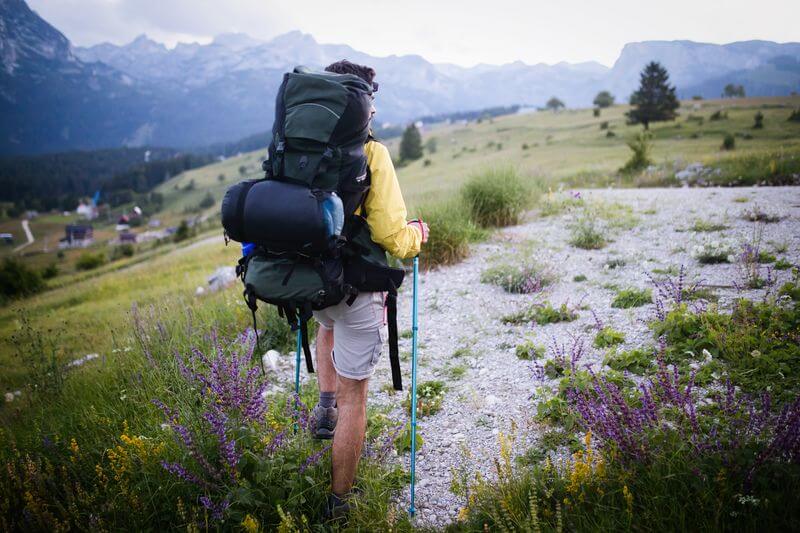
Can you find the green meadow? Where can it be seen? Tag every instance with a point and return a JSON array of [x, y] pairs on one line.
[[88, 445]]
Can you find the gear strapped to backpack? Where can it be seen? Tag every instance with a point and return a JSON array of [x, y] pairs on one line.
[[311, 248]]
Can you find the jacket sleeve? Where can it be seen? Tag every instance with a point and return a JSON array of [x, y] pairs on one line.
[[386, 209]]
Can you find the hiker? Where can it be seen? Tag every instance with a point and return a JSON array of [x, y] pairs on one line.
[[350, 337], [315, 232]]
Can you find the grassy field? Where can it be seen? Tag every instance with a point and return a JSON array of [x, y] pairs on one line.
[[554, 148], [87, 312]]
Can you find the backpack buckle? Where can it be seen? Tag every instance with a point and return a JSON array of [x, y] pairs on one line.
[[328, 153], [280, 147]]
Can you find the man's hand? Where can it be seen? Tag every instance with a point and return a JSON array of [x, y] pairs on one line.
[[423, 229]]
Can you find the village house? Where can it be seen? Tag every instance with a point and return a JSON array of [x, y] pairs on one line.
[[77, 236]]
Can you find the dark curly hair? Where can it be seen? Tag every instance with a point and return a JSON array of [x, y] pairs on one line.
[[362, 71]]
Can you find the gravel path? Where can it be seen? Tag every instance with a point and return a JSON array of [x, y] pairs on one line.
[[459, 312], [460, 317]]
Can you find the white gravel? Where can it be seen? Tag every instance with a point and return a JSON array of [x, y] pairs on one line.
[[458, 311]]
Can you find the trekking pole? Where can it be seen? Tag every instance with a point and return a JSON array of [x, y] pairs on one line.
[[414, 334], [297, 370]]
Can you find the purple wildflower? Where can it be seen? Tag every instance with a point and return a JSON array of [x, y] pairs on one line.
[[313, 459]]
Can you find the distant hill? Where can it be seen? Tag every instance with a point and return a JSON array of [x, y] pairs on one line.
[[54, 97]]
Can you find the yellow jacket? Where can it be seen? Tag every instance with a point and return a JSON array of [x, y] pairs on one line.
[[386, 209]]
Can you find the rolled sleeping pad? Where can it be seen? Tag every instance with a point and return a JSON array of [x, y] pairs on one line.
[[278, 215]]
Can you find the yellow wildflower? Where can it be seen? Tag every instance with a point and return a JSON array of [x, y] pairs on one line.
[[73, 446], [250, 524], [628, 500]]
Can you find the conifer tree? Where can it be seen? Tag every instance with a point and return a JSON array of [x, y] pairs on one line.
[[411, 144], [655, 99]]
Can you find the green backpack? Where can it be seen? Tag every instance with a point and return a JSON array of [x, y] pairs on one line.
[[311, 250]]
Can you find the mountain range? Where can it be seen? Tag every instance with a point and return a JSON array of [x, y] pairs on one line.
[[55, 97]]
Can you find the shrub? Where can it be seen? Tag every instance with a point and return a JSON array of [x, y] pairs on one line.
[[782, 264], [430, 395], [713, 252], [729, 142], [497, 197], [90, 261], [527, 278], [794, 116], [718, 115], [627, 298], [753, 341], [50, 271], [610, 133], [641, 146], [183, 232], [547, 314], [636, 361], [426, 163], [604, 125], [758, 121], [608, 337], [529, 351], [707, 226], [759, 214], [122, 250], [17, 280], [206, 202], [586, 233], [542, 314], [613, 264], [579, 278], [596, 111], [451, 232]]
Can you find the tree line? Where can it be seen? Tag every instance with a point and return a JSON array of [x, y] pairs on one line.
[[59, 181]]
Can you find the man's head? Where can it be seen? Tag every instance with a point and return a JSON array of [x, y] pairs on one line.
[[362, 71]]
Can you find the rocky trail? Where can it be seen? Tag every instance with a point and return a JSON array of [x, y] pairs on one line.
[[465, 344]]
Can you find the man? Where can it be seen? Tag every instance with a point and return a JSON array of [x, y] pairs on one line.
[[350, 337]]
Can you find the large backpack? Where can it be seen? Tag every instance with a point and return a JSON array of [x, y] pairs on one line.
[[311, 250]]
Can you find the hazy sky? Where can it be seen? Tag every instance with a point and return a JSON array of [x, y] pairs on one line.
[[463, 32]]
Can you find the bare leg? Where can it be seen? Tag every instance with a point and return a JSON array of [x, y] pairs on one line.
[[351, 397], [326, 373]]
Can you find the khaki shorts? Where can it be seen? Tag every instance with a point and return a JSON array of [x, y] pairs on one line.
[[358, 334]]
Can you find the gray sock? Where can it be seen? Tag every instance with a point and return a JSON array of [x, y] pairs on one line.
[[327, 399]]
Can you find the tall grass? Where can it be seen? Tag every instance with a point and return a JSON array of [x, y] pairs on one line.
[[170, 430], [497, 197], [452, 230], [773, 168]]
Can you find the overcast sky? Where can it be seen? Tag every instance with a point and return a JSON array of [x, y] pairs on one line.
[[463, 32]]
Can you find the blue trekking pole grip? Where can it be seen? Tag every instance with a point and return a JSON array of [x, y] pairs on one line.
[[297, 369], [414, 335]]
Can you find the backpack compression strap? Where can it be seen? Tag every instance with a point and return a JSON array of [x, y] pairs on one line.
[[394, 352]]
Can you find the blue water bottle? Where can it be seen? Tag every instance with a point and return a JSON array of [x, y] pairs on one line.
[[333, 211], [247, 248]]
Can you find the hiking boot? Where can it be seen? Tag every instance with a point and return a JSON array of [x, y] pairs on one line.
[[323, 421], [336, 507]]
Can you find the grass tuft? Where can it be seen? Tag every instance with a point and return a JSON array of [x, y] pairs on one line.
[[497, 197]]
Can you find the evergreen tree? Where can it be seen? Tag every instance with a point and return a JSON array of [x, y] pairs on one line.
[[604, 99], [411, 144], [554, 104], [655, 99], [734, 91]]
